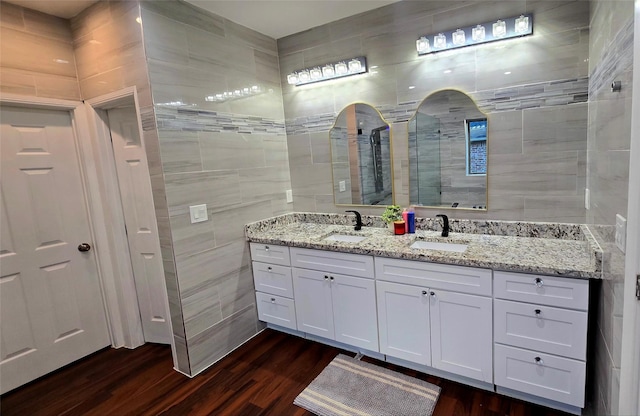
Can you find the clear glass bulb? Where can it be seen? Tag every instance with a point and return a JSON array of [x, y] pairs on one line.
[[478, 33], [422, 45], [458, 37], [328, 71], [341, 68], [292, 78], [439, 41], [304, 76], [499, 29], [522, 24], [354, 65]]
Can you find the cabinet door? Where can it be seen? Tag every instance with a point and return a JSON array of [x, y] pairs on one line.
[[403, 321], [461, 335], [312, 294], [354, 311]]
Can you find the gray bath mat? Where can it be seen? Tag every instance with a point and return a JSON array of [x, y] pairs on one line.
[[351, 387]]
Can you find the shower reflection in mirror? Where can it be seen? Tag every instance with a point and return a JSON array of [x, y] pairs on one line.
[[361, 157], [448, 152]]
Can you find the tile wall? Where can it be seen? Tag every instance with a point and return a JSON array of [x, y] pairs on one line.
[[109, 52], [537, 112], [231, 155], [610, 59], [36, 54]]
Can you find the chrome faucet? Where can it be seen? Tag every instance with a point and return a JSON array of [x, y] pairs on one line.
[[358, 225], [445, 224]]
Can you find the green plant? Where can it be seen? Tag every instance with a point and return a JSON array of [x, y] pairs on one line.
[[392, 213]]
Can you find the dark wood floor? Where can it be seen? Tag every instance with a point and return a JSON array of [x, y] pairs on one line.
[[260, 378]]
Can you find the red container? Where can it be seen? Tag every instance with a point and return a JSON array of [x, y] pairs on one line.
[[398, 227]]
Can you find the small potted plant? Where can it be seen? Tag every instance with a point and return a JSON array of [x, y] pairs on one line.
[[391, 214]]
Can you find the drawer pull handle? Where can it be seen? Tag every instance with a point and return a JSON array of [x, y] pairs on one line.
[[273, 300], [538, 312], [539, 282], [424, 292], [326, 277], [539, 361], [331, 278], [269, 268]]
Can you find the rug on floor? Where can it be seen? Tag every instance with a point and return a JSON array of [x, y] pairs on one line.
[[351, 387]]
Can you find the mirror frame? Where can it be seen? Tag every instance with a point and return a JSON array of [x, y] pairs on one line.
[[393, 184], [441, 207]]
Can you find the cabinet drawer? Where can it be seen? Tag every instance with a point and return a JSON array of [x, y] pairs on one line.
[[545, 290], [435, 276], [541, 328], [332, 262], [273, 279], [276, 310], [269, 253], [543, 375]]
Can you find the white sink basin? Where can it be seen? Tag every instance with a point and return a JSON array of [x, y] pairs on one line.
[[432, 245], [345, 238]]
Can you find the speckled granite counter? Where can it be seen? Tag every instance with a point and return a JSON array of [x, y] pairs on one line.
[[541, 248]]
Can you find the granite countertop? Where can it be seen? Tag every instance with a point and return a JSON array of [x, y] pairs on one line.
[[540, 248]]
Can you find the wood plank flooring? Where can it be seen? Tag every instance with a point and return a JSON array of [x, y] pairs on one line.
[[260, 378]]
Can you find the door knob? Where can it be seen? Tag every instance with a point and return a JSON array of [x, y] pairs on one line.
[[84, 247]]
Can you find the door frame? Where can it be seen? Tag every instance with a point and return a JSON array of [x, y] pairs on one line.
[[123, 288], [104, 252], [629, 399]]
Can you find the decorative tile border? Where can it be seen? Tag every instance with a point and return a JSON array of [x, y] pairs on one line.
[[615, 59], [521, 97], [189, 119]]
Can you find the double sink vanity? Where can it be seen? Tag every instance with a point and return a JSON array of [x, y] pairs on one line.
[[499, 305]]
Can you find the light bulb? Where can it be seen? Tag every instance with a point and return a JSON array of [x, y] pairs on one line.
[[304, 76], [478, 33], [355, 65], [439, 41], [315, 73], [422, 45], [458, 37], [328, 71], [341, 68], [499, 29], [292, 78], [522, 24]]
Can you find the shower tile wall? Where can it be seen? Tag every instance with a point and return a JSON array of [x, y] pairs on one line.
[[610, 58], [38, 60], [229, 155], [537, 113], [110, 56]]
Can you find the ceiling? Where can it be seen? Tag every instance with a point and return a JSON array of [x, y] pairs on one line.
[[274, 18]]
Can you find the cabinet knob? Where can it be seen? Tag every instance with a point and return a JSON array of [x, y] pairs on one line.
[[269, 268], [424, 292], [433, 294], [539, 282], [538, 312], [326, 277], [266, 248], [330, 277], [539, 361], [273, 300]]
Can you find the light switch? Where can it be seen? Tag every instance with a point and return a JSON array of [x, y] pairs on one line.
[[343, 186], [198, 213], [289, 194]]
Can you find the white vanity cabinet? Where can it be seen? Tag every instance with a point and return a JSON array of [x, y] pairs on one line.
[[274, 285], [436, 315], [334, 305], [540, 336]]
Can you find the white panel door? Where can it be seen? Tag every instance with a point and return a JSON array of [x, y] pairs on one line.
[[461, 335], [403, 321], [312, 294], [354, 311], [140, 220], [52, 312]]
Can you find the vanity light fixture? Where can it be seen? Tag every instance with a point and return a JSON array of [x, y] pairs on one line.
[[235, 94], [500, 29], [328, 71]]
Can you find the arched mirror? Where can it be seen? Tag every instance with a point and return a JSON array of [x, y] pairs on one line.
[[361, 157], [448, 152]]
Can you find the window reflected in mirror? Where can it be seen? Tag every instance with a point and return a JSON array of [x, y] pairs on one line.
[[361, 157]]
